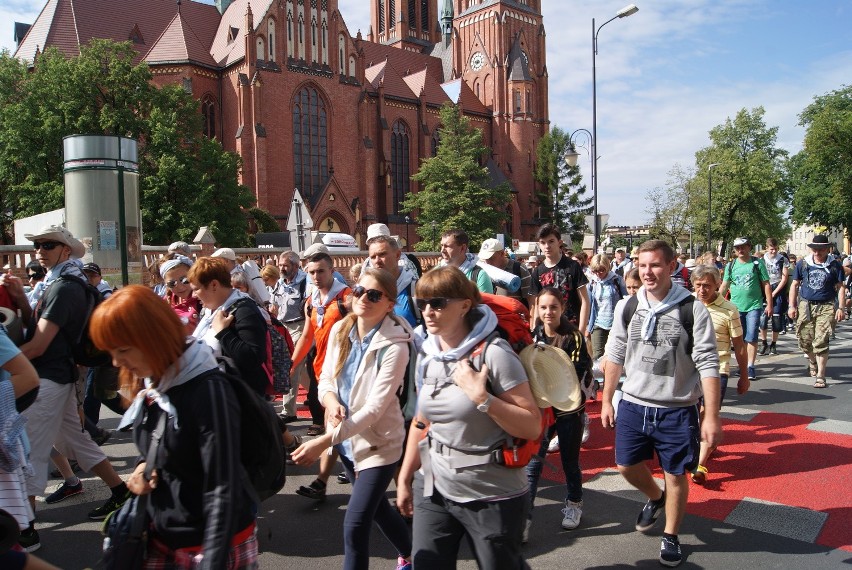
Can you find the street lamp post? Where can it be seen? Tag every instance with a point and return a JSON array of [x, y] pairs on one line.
[[628, 10], [710, 200], [407, 242]]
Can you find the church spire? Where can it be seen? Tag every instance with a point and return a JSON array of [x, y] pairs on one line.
[[447, 20]]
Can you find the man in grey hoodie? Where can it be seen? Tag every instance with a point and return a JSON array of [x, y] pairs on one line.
[[665, 379]]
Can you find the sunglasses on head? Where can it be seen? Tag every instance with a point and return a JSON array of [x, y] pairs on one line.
[[437, 303], [373, 295], [183, 280], [45, 245]]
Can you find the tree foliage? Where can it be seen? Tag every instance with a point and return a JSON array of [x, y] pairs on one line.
[[456, 192], [564, 201], [748, 183], [675, 210], [186, 180], [819, 178]]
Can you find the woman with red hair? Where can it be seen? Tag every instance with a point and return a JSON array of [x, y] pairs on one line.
[[201, 513]]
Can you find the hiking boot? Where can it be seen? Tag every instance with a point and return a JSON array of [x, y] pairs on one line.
[[315, 491], [670, 551], [571, 514], [112, 504], [63, 492], [650, 513], [773, 349], [29, 540], [102, 437], [764, 349]]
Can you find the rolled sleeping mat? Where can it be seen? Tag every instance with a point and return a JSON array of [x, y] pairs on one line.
[[508, 281]]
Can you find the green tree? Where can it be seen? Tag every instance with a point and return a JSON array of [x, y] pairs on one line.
[[186, 180], [820, 176], [564, 200], [674, 209], [455, 189], [748, 183]]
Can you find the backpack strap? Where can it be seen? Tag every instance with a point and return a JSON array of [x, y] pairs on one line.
[[687, 317]]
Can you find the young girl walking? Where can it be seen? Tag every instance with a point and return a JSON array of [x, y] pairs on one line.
[[554, 329]]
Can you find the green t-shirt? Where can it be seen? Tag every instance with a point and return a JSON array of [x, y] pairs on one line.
[[746, 288]]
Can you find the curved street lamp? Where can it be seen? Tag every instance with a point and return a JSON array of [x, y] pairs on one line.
[[628, 10], [571, 158]]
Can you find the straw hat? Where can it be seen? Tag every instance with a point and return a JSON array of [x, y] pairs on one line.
[[552, 377]]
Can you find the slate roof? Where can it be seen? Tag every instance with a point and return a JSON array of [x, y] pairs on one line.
[[178, 43], [68, 24], [519, 69]]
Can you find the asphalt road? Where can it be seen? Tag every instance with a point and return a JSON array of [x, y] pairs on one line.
[[778, 493]]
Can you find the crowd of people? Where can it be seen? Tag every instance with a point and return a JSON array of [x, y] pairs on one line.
[[410, 377]]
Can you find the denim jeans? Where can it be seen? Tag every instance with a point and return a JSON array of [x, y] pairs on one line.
[[369, 503], [569, 428]]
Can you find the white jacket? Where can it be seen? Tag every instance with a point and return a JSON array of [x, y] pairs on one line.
[[375, 424]]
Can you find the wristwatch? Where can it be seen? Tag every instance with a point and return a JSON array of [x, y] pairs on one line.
[[484, 406]]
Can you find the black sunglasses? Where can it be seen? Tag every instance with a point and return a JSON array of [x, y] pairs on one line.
[[46, 245], [173, 282], [34, 276], [373, 295], [437, 303]]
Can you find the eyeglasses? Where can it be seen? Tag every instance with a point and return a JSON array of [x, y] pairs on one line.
[[437, 303], [46, 245], [183, 281], [373, 295]]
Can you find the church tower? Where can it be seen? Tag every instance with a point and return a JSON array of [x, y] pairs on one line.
[[500, 54], [407, 24]]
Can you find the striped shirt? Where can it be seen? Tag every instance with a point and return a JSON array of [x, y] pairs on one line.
[[726, 321]]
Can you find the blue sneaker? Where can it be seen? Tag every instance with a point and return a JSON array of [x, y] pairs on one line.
[[751, 374]]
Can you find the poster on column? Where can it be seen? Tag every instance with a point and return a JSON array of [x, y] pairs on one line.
[[107, 236]]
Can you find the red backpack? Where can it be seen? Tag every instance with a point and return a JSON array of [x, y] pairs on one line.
[[513, 325], [513, 320]]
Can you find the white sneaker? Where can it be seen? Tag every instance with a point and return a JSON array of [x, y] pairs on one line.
[[553, 446], [525, 537], [571, 515], [586, 432]]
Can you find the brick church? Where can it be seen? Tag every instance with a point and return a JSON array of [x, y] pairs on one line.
[[345, 119]]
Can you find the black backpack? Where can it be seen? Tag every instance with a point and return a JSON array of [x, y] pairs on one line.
[[261, 446], [84, 350], [687, 317]]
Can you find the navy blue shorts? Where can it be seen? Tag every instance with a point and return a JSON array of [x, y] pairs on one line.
[[672, 432]]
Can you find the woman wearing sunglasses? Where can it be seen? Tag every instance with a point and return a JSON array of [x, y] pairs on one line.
[[365, 362], [174, 269], [463, 416]]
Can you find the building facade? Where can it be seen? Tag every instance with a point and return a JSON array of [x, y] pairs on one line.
[[344, 119]]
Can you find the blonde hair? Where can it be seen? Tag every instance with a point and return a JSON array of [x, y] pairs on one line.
[[387, 283], [599, 262]]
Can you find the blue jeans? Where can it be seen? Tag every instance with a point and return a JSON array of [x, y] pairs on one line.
[[569, 428], [369, 503], [751, 323]]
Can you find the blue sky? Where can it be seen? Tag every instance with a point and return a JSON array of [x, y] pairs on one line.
[[665, 76]]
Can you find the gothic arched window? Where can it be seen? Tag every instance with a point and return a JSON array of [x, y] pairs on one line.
[[208, 117], [400, 165], [310, 143]]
